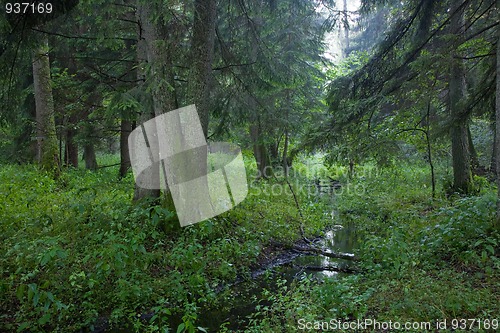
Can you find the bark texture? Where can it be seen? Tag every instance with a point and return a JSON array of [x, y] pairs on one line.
[[257, 132], [154, 48], [462, 176], [71, 148], [202, 50], [497, 122], [125, 129], [47, 154], [259, 150], [89, 156]]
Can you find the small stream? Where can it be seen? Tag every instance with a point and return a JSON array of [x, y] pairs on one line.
[[289, 265]]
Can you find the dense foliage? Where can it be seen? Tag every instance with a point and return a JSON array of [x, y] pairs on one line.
[[76, 252], [379, 117], [77, 255]]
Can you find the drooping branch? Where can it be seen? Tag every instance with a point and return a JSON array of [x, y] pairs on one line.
[[476, 57], [371, 77], [491, 26], [134, 40], [233, 65]]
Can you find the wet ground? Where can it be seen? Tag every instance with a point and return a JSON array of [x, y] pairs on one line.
[[289, 265], [242, 295]]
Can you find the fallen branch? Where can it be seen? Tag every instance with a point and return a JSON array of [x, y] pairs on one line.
[[329, 269], [329, 254], [315, 250]]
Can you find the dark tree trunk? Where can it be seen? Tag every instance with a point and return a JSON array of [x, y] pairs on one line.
[[28, 130], [493, 161], [429, 149], [71, 150], [350, 173], [199, 88], [257, 135], [288, 110], [273, 149], [141, 193], [72, 116], [154, 45], [285, 154], [291, 156], [71, 147], [474, 159], [497, 118], [89, 156], [260, 152], [126, 127], [462, 176], [47, 154], [462, 181], [88, 130], [202, 49]]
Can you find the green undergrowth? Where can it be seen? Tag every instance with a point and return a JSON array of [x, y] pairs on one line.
[[422, 259], [425, 258], [77, 253]]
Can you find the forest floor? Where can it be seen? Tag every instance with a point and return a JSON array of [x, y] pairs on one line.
[[76, 253]]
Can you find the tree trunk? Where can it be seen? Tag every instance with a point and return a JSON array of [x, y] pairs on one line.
[[71, 116], [462, 178], [291, 156], [257, 136], [259, 151], [141, 193], [462, 182], [273, 149], [493, 161], [347, 45], [350, 173], [285, 154], [71, 147], [199, 89], [288, 110], [202, 49], [126, 127], [474, 159], [47, 155], [88, 130], [497, 116], [158, 51], [429, 149], [89, 156], [154, 46]]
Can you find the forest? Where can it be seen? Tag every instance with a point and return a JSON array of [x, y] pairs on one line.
[[249, 166]]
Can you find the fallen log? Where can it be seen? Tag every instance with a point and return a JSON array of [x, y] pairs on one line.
[[329, 254]]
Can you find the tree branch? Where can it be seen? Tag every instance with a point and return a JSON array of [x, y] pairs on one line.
[[475, 57], [82, 37], [233, 65]]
